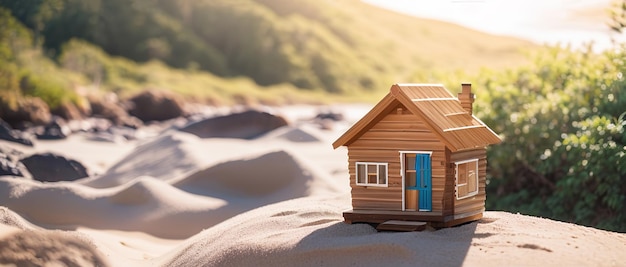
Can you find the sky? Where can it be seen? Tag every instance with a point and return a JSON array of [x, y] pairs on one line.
[[573, 22]]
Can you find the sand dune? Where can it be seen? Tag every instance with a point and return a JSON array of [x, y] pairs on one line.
[[25, 244], [179, 200], [177, 210], [146, 205], [177, 154], [310, 232], [163, 158], [8, 218], [275, 175], [49, 248]]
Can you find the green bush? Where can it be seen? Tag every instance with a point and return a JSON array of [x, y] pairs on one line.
[[562, 123], [52, 90]]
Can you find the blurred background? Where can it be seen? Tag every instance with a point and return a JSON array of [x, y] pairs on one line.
[[548, 75], [574, 22]]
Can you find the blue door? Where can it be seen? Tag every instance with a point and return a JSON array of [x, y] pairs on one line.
[[423, 181]]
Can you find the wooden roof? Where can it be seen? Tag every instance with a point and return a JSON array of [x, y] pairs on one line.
[[437, 107]]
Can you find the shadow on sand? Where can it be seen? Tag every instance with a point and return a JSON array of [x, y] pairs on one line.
[[343, 244]]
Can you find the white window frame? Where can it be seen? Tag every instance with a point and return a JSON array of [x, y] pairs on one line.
[[456, 176], [378, 164]]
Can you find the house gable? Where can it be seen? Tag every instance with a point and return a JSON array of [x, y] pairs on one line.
[[386, 105], [437, 108], [397, 130]]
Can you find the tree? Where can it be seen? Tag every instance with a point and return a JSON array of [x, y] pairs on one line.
[[617, 14]]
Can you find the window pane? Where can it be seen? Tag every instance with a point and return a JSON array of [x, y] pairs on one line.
[[410, 179], [410, 162], [382, 174], [360, 173], [371, 179], [371, 168], [371, 173], [462, 173], [471, 181], [472, 177], [462, 190], [467, 183]]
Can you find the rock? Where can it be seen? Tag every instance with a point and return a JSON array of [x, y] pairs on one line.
[[246, 125], [53, 168], [131, 122], [334, 116], [9, 134], [55, 130], [27, 110], [68, 111], [98, 125], [11, 168], [114, 134], [108, 109], [10, 164], [156, 106], [327, 119]]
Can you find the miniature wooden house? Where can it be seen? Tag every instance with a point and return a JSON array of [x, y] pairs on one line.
[[418, 155]]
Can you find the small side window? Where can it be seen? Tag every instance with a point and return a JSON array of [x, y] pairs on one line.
[[371, 174], [466, 178]]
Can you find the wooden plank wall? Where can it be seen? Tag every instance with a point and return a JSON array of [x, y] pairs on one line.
[[448, 197], [398, 131], [477, 202]]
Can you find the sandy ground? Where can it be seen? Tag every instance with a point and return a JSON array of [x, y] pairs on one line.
[[178, 200]]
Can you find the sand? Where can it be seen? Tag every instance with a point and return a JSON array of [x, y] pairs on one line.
[[178, 200]]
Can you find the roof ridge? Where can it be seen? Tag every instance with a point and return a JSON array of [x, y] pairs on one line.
[[420, 84]]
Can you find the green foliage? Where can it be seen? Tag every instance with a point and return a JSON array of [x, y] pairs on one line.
[[563, 128], [126, 78], [596, 156], [84, 58], [26, 71], [52, 90], [15, 39]]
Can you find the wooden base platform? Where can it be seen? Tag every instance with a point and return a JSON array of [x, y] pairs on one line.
[[434, 219], [401, 226]]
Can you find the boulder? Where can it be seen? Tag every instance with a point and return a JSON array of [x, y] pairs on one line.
[[334, 116], [55, 130], [107, 109], [68, 111], [246, 125], [9, 134], [49, 167], [327, 119], [156, 106], [27, 110]]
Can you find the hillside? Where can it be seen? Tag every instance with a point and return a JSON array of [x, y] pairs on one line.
[[333, 46]]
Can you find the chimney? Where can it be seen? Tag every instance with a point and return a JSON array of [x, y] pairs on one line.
[[466, 97]]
